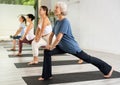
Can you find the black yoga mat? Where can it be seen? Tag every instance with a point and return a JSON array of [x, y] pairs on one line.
[[10, 46], [30, 55], [54, 63], [24, 55], [69, 78], [26, 49]]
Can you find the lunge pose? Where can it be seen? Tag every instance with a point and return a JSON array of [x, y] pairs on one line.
[[19, 33], [42, 33], [28, 35], [65, 43]]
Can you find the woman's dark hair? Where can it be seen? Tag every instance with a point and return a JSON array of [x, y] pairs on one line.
[[45, 9], [31, 16], [24, 19]]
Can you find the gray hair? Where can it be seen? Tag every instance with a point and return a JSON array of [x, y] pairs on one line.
[[63, 7]]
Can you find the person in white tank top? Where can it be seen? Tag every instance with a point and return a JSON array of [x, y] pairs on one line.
[[42, 34], [28, 35]]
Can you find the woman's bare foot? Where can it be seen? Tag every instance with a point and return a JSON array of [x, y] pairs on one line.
[[13, 49], [33, 63], [80, 61], [41, 79], [19, 54], [109, 74]]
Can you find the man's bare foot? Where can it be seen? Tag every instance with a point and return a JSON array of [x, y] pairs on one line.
[[33, 63], [80, 61], [109, 74], [41, 79]]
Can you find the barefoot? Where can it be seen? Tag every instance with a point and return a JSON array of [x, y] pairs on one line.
[[109, 74], [80, 61], [40, 79], [19, 54], [13, 49], [33, 63]]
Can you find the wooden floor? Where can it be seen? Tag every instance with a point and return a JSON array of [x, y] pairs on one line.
[[11, 75]]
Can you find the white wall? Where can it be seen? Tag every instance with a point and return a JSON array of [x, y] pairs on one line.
[[9, 18], [96, 24], [100, 25], [46, 3]]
